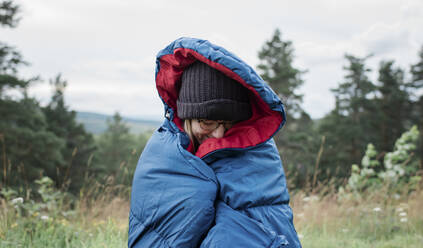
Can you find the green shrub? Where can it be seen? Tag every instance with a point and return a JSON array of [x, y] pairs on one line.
[[398, 169]]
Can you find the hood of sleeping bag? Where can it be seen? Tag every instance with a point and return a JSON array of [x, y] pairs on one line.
[[268, 114]]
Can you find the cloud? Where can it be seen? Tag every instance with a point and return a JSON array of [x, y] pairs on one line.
[[141, 70], [105, 48], [313, 54]]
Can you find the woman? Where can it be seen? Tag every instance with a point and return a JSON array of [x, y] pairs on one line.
[[211, 175]]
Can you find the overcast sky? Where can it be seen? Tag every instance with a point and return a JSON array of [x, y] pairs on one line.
[[106, 49]]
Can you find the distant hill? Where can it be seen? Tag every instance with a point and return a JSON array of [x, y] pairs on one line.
[[97, 123]]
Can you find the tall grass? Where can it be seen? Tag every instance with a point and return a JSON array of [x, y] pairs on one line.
[[370, 219], [323, 218], [98, 217]]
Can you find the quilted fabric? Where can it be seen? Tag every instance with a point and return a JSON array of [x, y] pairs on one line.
[[232, 191]]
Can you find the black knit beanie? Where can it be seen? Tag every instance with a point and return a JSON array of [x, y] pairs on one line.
[[207, 93]]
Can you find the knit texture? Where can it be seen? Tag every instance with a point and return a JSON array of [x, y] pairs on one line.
[[207, 93]]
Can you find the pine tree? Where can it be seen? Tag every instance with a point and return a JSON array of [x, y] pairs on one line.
[[297, 141], [8, 14], [276, 58], [10, 59], [28, 149], [80, 145], [349, 127], [417, 71], [393, 107], [417, 110], [117, 152]]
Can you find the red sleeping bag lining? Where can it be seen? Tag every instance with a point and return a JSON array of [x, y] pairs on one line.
[[263, 123]]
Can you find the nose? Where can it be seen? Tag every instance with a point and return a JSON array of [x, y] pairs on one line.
[[218, 132]]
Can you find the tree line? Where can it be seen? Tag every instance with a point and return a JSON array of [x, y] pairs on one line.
[[38, 140], [365, 112]]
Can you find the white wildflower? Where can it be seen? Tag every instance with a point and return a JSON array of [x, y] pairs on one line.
[[44, 217], [402, 214], [377, 209], [367, 172], [300, 236], [314, 198], [18, 200], [388, 163], [365, 162], [391, 174], [404, 219], [397, 196]]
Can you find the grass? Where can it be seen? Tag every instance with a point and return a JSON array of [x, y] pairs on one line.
[[368, 220], [334, 240], [374, 220], [102, 225], [52, 233]]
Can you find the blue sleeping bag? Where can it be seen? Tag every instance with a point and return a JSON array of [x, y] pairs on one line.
[[232, 191]]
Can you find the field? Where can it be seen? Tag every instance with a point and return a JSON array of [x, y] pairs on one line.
[[374, 220]]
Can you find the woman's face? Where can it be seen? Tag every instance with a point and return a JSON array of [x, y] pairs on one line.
[[204, 129]]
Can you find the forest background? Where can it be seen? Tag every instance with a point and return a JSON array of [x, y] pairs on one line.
[[46, 156]]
